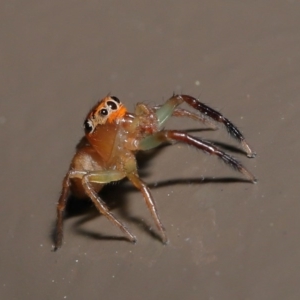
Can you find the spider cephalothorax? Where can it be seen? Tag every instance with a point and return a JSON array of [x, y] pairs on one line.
[[113, 137]]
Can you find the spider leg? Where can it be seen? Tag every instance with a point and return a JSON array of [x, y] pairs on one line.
[[103, 177], [179, 112], [139, 184], [172, 136], [166, 110], [60, 209]]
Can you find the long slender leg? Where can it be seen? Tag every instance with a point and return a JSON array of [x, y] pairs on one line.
[[87, 178], [215, 115], [139, 184], [166, 110], [179, 136], [104, 177], [179, 112], [61, 206]]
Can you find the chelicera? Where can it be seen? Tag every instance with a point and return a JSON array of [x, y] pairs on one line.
[[112, 138]]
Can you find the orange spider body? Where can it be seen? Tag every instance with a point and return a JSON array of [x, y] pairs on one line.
[[113, 136]]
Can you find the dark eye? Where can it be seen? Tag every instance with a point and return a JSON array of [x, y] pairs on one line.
[[88, 127], [115, 98], [103, 112], [112, 105]]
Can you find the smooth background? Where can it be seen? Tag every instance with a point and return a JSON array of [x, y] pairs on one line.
[[229, 239]]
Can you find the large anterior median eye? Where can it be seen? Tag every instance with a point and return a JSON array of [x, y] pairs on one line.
[[88, 126], [112, 105]]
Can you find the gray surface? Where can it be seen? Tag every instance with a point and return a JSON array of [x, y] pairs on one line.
[[228, 240]]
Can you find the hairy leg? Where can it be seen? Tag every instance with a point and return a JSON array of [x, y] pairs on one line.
[[167, 109], [172, 136], [103, 177], [179, 112], [139, 184], [60, 209]]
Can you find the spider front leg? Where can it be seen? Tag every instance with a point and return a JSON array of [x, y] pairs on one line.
[[179, 112], [166, 111], [172, 136], [139, 184]]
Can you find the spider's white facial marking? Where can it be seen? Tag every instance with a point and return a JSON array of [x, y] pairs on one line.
[[88, 126]]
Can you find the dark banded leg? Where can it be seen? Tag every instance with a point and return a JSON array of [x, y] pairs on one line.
[[180, 136], [166, 110]]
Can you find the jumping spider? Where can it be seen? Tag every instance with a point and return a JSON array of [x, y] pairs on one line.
[[112, 138]]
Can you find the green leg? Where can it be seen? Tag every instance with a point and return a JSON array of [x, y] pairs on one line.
[[152, 141], [104, 176], [166, 110]]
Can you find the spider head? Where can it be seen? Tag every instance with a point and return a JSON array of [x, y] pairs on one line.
[[106, 111]]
